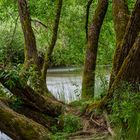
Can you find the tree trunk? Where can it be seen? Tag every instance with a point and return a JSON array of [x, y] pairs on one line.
[[18, 127], [120, 18], [91, 51], [30, 50], [87, 16], [124, 46], [53, 41], [37, 116], [129, 72], [46, 105]]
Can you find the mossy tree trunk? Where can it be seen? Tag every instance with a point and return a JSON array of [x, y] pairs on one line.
[[18, 127], [30, 50], [49, 52], [128, 39], [120, 18], [44, 104], [127, 61], [91, 51], [129, 73]]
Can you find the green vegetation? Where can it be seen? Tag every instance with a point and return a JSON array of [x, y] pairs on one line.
[[126, 114], [38, 35], [70, 47]]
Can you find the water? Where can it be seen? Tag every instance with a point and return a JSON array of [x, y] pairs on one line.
[[4, 137], [65, 86], [65, 83]]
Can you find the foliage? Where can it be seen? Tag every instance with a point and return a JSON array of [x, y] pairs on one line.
[[16, 103], [12, 76], [126, 114], [70, 47], [11, 45], [71, 123]]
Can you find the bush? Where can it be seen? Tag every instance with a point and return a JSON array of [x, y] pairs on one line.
[[71, 123]]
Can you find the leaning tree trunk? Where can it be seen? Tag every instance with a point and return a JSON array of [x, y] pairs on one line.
[[18, 127], [30, 50], [48, 55], [46, 105], [124, 46], [128, 60], [120, 18], [129, 72], [91, 52], [31, 113]]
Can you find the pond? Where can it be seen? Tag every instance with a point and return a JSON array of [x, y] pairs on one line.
[[65, 84]]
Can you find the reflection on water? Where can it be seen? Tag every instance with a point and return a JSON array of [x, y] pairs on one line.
[[65, 84]]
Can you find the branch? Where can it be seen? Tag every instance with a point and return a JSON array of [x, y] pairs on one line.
[[87, 16], [19, 127], [53, 40], [39, 22], [46, 105]]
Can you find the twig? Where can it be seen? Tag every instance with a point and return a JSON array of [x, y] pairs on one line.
[[39, 22], [91, 118], [87, 16]]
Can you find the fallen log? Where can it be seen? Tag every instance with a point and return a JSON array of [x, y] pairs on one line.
[[44, 104], [19, 127]]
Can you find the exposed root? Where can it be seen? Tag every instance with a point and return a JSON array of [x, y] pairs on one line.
[[108, 125]]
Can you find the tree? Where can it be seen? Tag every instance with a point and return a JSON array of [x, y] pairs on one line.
[[53, 41], [126, 61], [19, 126], [31, 56], [38, 112], [91, 51], [120, 18], [41, 108], [124, 46]]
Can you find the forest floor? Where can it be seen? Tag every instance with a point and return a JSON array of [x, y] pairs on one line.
[[94, 128]]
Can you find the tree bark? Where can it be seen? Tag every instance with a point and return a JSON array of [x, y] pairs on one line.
[[30, 50], [129, 72], [132, 30], [18, 127], [46, 105], [53, 41], [91, 51], [37, 116], [120, 18], [87, 16]]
